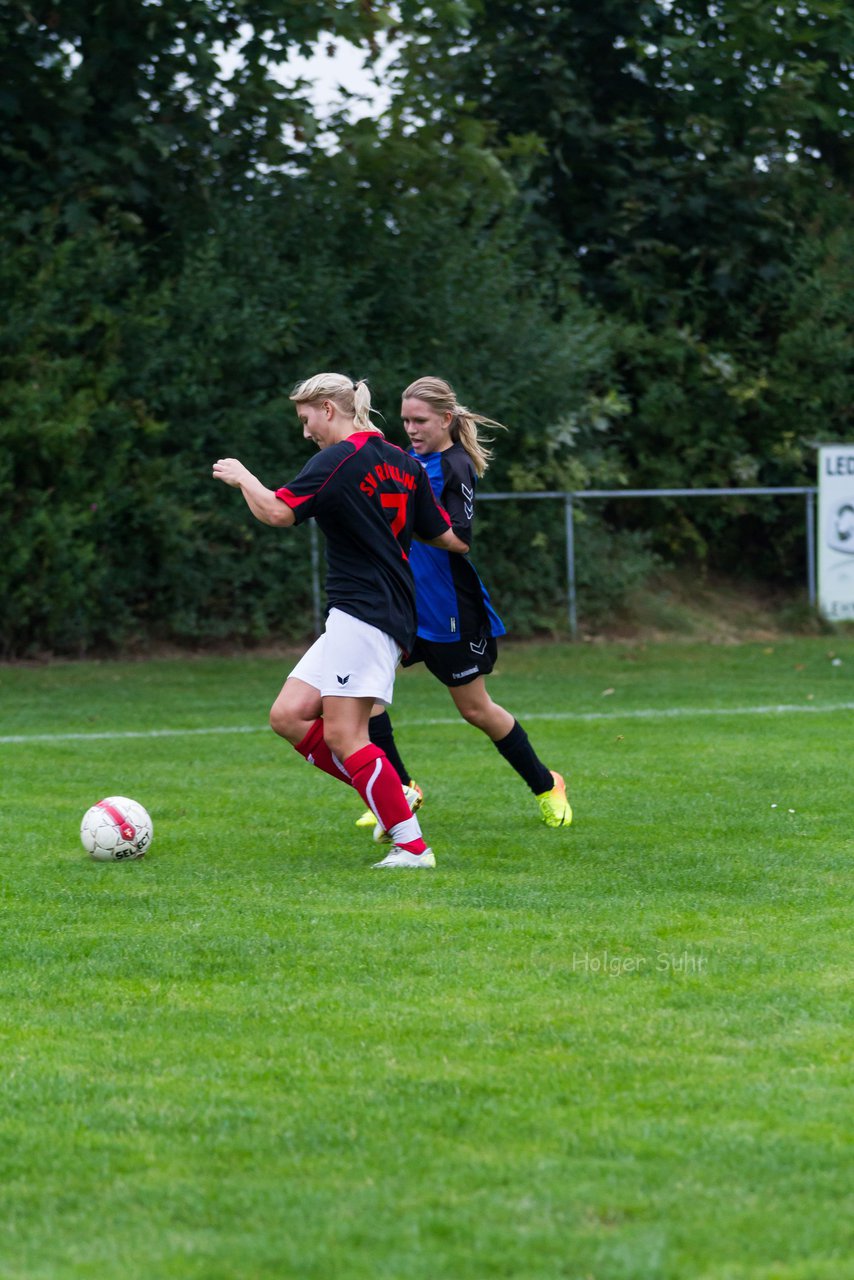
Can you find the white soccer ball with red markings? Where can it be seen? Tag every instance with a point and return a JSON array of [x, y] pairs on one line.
[[116, 830]]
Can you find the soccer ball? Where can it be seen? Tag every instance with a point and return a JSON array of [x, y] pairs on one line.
[[116, 829]]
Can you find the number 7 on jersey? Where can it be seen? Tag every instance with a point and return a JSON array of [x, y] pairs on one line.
[[397, 502]]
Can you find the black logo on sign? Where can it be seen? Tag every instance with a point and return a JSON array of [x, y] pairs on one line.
[[840, 528]]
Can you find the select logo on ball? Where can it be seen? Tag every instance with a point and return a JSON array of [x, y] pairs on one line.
[[116, 829]]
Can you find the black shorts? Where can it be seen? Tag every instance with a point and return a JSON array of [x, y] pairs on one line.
[[458, 662]]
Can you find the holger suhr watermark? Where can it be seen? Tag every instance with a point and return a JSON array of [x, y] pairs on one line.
[[616, 966]]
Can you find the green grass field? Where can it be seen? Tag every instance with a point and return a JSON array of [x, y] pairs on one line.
[[617, 1052]]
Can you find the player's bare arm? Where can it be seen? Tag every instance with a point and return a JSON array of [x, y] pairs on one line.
[[262, 502], [448, 541]]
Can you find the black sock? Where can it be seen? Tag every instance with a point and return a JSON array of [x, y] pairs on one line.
[[382, 735], [518, 752]]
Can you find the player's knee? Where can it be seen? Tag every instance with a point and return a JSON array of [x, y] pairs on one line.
[[283, 721], [336, 742], [343, 739], [475, 715]]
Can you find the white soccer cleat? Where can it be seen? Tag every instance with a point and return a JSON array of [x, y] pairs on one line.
[[414, 798], [403, 858]]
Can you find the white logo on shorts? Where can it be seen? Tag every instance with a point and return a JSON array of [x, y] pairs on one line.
[[470, 671]]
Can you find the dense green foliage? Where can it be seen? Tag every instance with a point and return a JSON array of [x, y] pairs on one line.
[[694, 161], [617, 1050], [623, 229]]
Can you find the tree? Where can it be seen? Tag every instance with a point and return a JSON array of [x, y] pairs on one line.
[[126, 107], [682, 154], [660, 140]]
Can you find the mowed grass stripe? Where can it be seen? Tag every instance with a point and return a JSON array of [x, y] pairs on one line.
[[646, 713]]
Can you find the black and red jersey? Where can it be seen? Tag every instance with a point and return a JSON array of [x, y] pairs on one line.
[[369, 498]]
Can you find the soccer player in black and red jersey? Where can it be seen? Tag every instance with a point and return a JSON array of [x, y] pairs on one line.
[[369, 498], [457, 625]]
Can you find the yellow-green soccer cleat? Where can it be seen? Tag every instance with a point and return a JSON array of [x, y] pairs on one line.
[[555, 809]]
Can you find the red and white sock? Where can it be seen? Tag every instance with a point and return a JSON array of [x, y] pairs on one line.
[[376, 781], [316, 752]]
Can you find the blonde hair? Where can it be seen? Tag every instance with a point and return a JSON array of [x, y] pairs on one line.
[[352, 398], [442, 398]]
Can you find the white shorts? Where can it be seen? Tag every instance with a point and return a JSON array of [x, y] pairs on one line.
[[351, 659]]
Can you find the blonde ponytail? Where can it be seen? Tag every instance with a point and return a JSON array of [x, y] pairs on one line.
[[442, 398], [362, 407]]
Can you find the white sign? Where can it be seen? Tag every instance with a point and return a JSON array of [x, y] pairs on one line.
[[836, 531]]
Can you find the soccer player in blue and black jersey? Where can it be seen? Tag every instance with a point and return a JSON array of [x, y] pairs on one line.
[[457, 625], [369, 498]]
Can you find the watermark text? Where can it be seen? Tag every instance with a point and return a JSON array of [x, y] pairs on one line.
[[614, 965]]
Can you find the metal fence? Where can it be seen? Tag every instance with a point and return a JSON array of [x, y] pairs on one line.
[[570, 497]]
